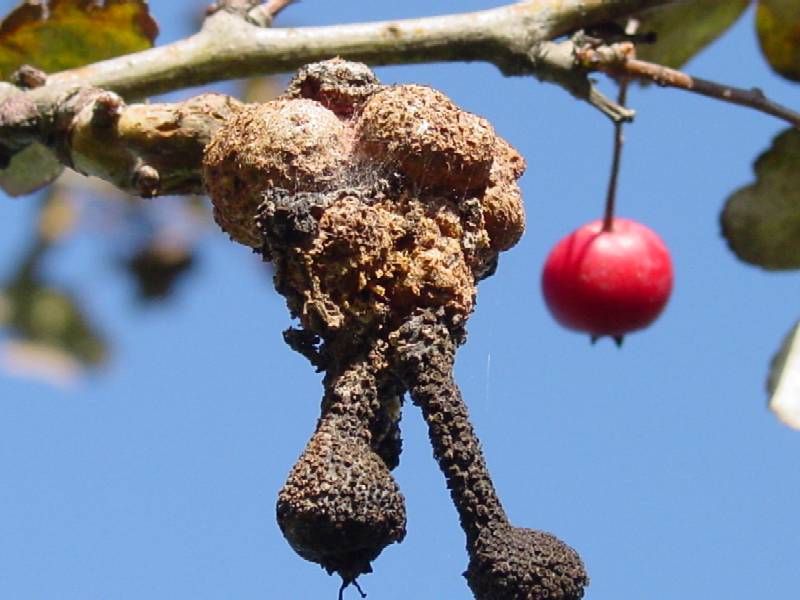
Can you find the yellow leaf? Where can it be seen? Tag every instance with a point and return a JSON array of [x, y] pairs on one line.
[[63, 34], [778, 27]]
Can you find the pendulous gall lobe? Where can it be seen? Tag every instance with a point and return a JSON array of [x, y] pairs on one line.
[[506, 562], [340, 506]]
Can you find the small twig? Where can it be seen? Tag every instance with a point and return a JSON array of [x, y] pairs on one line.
[[619, 139], [236, 7], [273, 7], [619, 64], [555, 61], [613, 110], [751, 98], [264, 14]]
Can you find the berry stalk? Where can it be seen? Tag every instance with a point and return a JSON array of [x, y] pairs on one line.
[[619, 140]]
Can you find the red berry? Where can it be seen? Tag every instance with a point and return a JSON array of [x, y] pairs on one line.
[[608, 282]]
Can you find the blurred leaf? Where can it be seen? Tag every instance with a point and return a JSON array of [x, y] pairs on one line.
[[58, 214], [198, 208], [686, 28], [783, 382], [47, 317], [5, 309], [762, 221], [63, 34], [157, 268], [50, 318], [22, 358], [30, 170], [778, 27], [262, 89]]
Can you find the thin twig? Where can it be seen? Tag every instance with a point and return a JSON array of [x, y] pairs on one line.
[[265, 13], [752, 98], [618, 63], [273, 7]]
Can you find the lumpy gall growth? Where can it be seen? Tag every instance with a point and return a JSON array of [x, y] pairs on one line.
[[406, 198], [421, 134], [288, 144], [381, 207]]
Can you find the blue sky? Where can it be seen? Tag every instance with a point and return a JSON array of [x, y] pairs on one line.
[[157, 477]]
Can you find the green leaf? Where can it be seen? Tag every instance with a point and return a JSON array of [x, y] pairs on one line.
[[63, 34], [686, 28], [778, 27], [783, 383], [30, 170], [761, 222]]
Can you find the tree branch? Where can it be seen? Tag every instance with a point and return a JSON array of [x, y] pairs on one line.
[[513, 37], [517, 38], [229, 47]]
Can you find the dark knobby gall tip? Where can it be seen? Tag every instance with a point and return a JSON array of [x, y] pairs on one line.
[[340, 506], [512, 563], [506, 562]]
